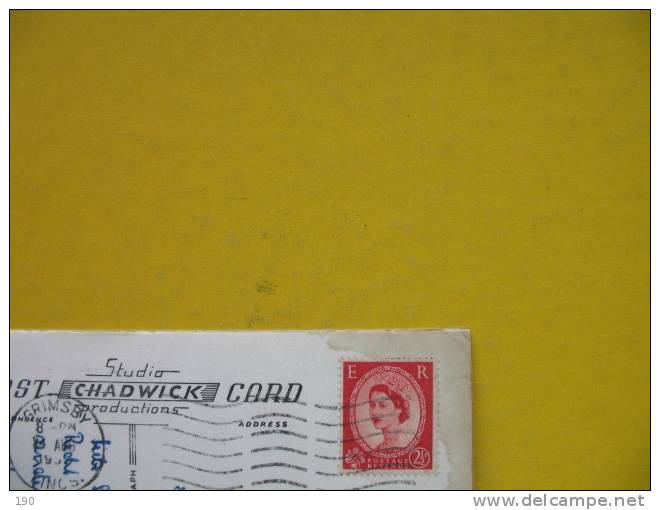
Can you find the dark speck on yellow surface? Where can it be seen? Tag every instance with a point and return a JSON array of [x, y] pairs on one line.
[[499, 158]]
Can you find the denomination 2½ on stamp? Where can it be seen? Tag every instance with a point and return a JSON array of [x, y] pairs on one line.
[[388, 409]]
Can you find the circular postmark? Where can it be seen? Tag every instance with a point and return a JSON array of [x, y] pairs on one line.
[[56, 444], [387, 412]]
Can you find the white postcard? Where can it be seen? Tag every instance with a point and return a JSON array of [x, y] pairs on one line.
[[372, 409]]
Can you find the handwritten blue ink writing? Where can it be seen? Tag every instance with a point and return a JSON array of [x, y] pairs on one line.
[[98, 457], [69, 446], [38, 477]]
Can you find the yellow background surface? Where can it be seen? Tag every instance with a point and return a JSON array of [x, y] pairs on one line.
[[266, 170]]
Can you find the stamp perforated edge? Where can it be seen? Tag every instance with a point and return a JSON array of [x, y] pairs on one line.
[[389, 472]]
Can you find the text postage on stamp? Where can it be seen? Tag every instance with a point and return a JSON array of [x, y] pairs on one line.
[[388, 415]]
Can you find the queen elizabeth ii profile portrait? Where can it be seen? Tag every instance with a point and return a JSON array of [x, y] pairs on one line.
[[386, 412], [389, 410]]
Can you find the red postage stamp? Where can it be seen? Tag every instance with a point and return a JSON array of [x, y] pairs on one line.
[[388, 415]]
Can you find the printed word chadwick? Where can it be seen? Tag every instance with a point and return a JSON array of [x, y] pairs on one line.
[[124, 383], [147, 391], [183, 392]]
